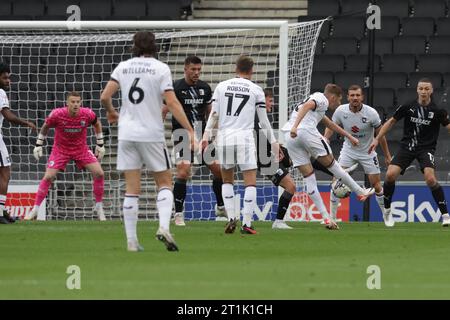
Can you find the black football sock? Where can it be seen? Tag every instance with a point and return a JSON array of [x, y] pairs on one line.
[[283, 204], [439, 197], [179, 194], [217, 188], [388, 189]]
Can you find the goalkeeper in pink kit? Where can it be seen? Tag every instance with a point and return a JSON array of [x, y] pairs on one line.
[[71, 123]]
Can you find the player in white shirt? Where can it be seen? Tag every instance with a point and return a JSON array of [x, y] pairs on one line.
[[361, 121], [144, 82], [5, 161], [235, 102], [304, 140]]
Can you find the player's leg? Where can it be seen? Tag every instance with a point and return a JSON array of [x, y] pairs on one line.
[[98, 186], [228, 198], [217, 188], [345, 161], [288, 184], [249, 201], [44, 186], [179, 190], [5, 174]]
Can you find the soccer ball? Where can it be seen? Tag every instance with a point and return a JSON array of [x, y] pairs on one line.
[[340, 190]]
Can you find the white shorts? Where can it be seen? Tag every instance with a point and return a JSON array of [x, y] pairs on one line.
[[242, 155], [306, 145], [369, 162], [133, 155], [5, 161]]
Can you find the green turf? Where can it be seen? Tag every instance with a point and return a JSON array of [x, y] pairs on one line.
[[308, 262]]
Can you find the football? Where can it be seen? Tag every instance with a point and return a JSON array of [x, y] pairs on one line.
[[340, 190]]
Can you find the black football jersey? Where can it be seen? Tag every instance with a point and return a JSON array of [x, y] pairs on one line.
[[421, 125], [194, 99]]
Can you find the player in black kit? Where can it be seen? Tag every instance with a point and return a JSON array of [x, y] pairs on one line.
[[420, 134], [195, 97]]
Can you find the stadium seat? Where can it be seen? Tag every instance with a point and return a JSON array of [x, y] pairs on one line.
[[392, 80], [409, 44], [5, 9], [434, 62], [390, 27], [441, 96], [382, 46], [134, 9], [329, 62], [320, 79], [323, 8], [439, 44], [324, 30], [58, 8], [435, 77], [343, 46], [443, 27], [417, 26], [357, 7], [398, 8], [446, 79], [163, 9], [92, 10], [399, 62], [348, 27], [348, 78], [384, 97], [29, 8], [429, 8], [406, 95], [358, 62], [319, 46]]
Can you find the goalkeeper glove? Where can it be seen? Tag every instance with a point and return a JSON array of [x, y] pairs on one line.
[[100, 148], [37, 151]]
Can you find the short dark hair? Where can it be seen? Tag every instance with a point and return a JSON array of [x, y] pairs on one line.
[[268, 92], [193, 60], [144, 42], [244, 64], [4, 67], [427, 80], [355, 87], [334, 89], [73, 94]]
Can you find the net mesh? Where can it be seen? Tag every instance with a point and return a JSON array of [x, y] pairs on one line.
[[46, 64]]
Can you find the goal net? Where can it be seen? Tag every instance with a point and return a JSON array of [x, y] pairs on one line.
[[48, 63]]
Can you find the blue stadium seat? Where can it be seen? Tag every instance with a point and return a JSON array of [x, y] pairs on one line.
[[398, 8], [399, 62], [348, 27], [434, 62], [348, 78], [382, 46], [409, 44], [430, 8], [343, 46], [329, 62], [439, 44], [320, 79], [418, 26], [443, 27], [392, 80], [323, 8], [359, 62], [435, 78]]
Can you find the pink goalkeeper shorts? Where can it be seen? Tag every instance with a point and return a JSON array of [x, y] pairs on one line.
[[59, 160]]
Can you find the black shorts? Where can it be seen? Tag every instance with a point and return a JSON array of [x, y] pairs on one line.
[[183, 154], [405, 157], [282, 170]]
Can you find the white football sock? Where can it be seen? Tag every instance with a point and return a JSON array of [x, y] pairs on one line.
[[228, 199], [130, 216], [164, 203], [380, 201], [340, 173], [313, 193], [334, 205], [249, 205]]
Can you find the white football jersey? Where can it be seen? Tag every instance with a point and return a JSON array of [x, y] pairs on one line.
[[235, 101], [312, 117], [4, 103], [360, 125], [143, 81]]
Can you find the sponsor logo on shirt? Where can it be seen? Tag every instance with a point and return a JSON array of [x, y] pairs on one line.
[[355, 129], [364, 119], [430, 115], [420, 121]]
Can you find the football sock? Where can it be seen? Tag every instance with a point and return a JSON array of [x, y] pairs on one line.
[[179, 193], [130, 216], [2, 203], [439, 197], [249, 205], [228, 199], [99, 188], [380, 201], [164, 203], [388, 190], [283, 204], [42, 192], [313, 192], [334, 205], [340, 173], [217, 188]]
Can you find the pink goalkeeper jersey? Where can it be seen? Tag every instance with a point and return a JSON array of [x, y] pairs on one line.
[[70, 132]]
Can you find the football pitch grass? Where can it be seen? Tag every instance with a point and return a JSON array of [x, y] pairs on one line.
[[308, 262]]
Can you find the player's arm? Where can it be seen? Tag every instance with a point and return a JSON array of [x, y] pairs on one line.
[[164, 111], [106, 100], [307, 106], [328, 133], [12, 118], [334, 127], [37, 151], [267, 128], [177, 111], [100, 147], [381, 133], [384, 146]]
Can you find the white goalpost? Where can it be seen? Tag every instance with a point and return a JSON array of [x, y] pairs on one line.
[[50, 58]]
